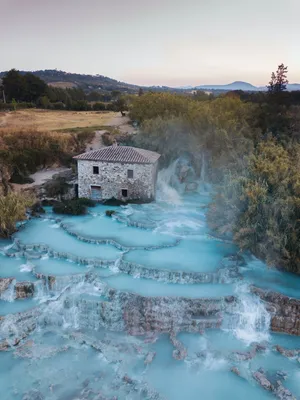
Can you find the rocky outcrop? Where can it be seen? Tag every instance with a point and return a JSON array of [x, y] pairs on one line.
[[5, 284], [149, 358], [248, 355], [180, 351], [24, 290], [166, 315], [289, 353], [285, 311], [274, 386]]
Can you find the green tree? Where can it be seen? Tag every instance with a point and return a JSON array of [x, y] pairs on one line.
[[278, 80], [14, 85]]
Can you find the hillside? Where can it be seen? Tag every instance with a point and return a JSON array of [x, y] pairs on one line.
[[238, 85], [86, 82]]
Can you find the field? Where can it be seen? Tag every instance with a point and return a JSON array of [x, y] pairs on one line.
[[56, 120]]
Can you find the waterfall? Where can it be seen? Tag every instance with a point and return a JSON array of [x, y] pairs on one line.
[[9, 293], [253, 320], [165, 185]]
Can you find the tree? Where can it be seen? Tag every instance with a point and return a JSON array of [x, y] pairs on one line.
[[120, 105], [14, 85], [141, 91], [34, 88], [278, 80]]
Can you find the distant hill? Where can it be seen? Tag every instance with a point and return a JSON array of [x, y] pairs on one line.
[[238, 85], [86, 82]]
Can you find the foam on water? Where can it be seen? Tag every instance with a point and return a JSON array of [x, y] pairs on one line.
[[253, 318]]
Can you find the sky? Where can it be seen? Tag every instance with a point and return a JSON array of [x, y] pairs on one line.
[[154, 42]]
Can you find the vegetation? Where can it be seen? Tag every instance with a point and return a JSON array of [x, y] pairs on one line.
[[12, 210], [73, 207], [27, 90], [252, 143], [109, 213]]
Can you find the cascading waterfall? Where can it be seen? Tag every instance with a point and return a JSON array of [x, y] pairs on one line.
[[104, 329], [168, 184], [9, 293], [252, 319]]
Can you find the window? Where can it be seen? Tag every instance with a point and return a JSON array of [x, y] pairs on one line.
[[130, 173], [95, 170], [124, 192]]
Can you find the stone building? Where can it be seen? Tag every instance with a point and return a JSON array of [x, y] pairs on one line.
[[120, 172]]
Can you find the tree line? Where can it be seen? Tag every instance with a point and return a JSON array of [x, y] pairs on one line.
[[29, 91]]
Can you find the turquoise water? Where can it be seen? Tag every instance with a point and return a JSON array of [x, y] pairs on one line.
[[13, 307], [147, 287], [19, 268], [194, 254], [78, 346]]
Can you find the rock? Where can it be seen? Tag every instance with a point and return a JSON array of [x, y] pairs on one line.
[[86, 383], [286, 352], [283, 393], [243, 356], [235, 370], [180, 351], [33, 395], [277, 388], [285, 311], [24, 290], [127, 379], [4, 284], [149, 358], [262, 380], [281, 375]]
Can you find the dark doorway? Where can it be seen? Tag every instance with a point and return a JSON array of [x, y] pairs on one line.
[[124, 192], [96, 193]]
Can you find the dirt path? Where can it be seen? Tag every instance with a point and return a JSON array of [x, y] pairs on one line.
[[97, 142], [122, 123], [40, 177]]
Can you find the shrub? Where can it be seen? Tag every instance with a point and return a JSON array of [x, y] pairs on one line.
[[37, 209], [57, 187], [107, 139], [99, 106], [86, 202], [73, 207], [12, 210], [109, 213], [59, 105], [21, 179]]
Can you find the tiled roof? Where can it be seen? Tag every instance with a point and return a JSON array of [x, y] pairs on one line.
[[123, 154]]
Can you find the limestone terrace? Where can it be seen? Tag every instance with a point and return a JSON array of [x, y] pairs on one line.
[[122, 154]]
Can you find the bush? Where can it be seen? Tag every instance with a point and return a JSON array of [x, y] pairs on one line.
[[107, 139], [59, 105], [12, 210], [73, 207], [57, 187], [109, 213], [99, 106], [86, 202], [37, 209], [21, 179]]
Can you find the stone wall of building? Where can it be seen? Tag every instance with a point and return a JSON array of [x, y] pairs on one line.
[[113, 178]]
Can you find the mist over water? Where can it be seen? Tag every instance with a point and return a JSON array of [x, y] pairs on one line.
[[144, 305]]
